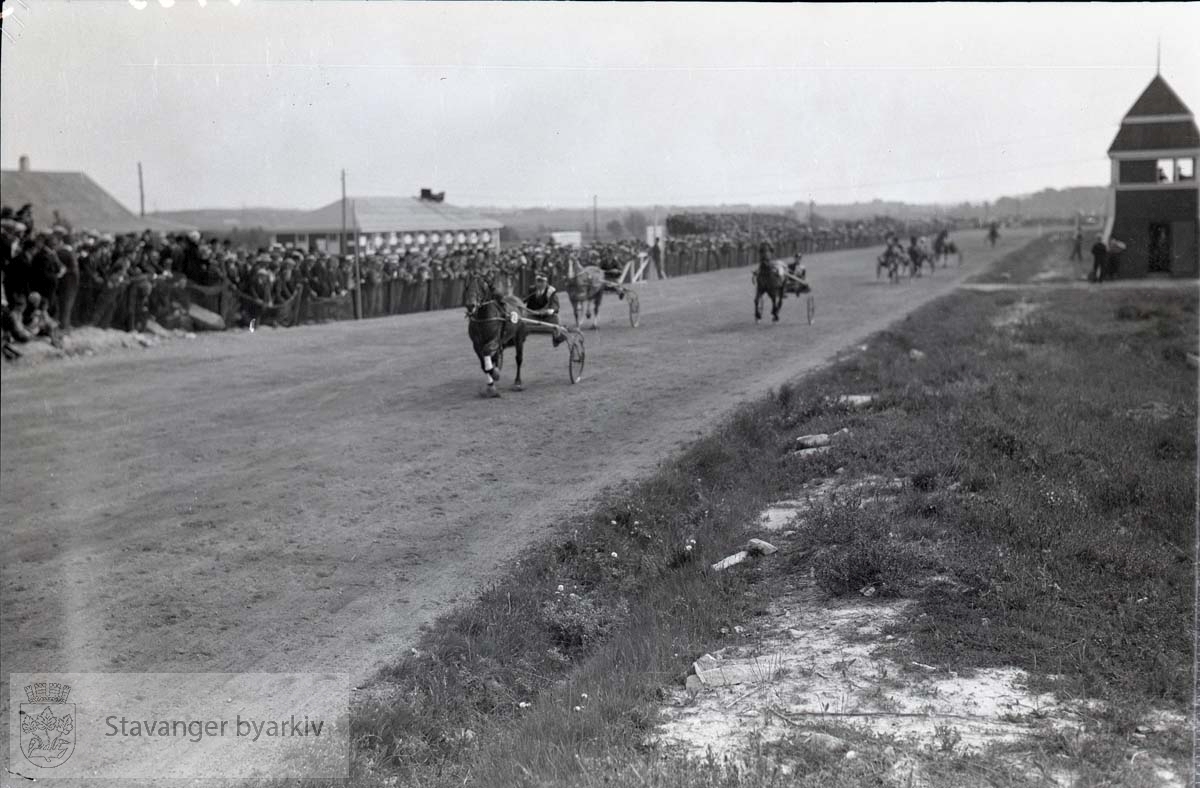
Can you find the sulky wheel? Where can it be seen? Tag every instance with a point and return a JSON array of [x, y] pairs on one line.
[[812, 308], [575, 357], [634, 308]]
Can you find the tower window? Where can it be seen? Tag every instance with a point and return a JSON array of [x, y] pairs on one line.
[[1185, 169], [1138, 171]]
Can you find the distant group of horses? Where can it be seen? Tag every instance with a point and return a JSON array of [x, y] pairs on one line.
[[897, 261]]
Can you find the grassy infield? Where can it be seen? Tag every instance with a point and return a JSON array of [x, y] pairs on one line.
[[1071, 523]]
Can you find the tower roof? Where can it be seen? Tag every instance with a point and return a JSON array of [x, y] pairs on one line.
[[1158, 99], [1158, 120]]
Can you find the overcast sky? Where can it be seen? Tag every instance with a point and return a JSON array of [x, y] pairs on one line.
[[263, 102]]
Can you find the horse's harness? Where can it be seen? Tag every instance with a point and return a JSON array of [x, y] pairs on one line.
[[504, 318]]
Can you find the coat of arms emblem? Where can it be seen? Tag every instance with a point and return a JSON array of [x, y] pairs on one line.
[[47, 724]]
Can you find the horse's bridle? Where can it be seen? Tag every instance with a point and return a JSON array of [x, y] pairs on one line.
[[471, 312]]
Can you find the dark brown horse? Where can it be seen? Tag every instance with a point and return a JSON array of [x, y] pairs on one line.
[[769, 279], [494, 323]]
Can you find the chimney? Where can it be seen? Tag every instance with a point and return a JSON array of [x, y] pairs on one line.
[[23, 163]]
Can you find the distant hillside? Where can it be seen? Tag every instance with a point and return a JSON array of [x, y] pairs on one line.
[[1045, 204], [626, 221], [224, 220]]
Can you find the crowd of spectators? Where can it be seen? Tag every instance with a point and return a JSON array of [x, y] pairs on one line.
[[56, 278], [736, 235]]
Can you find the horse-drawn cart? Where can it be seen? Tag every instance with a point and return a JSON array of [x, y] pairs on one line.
[[572, 336], [587, 285], [773, 278], [497, 320], [799, 286]]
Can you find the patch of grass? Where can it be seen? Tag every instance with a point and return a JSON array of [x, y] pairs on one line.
[[1049, 252], [1060, 527]]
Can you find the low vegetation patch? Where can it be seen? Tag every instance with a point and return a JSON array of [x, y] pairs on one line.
[[1039, 527], [1045, 259]]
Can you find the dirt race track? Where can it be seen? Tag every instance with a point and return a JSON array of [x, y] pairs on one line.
[[304, 499]]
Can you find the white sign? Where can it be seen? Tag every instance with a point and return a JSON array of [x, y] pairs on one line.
[[656, 231], [573, 238]]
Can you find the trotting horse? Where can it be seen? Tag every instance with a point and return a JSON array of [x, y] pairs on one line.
[[494, 323], [586, 286], [770, 279]]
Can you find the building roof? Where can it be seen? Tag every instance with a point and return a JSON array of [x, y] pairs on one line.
[[388, 214], [1156, 136], [1158, 99], [1158, 120], [77, 200]]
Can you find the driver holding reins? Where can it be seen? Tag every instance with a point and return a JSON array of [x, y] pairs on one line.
[[542, 304]]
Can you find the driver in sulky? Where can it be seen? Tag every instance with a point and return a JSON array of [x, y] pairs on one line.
[[542, 304]]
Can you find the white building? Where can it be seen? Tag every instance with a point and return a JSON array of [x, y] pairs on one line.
[[390, 224]]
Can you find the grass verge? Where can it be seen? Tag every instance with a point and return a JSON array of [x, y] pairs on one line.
[[1045, 258], [1052, 478]]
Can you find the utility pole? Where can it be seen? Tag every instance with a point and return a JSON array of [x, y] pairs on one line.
[[812, 209], [141, 193], [595, 221], [342, 238], [357, 274]]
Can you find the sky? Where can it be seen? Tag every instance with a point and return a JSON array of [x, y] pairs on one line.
[[263, 102]]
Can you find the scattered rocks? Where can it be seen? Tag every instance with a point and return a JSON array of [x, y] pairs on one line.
[[804, 453], [856, 400], [730, 560], [755, 547], [693, 683], [829, 743], [729, 675], [707, 662], [813, 441], [916, 355], [760, 547]]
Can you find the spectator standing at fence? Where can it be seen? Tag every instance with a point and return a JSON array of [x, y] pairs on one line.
[[1077, 246], [18, 265], [47, 267], [68, 281], [656, 258], [191, 264]]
